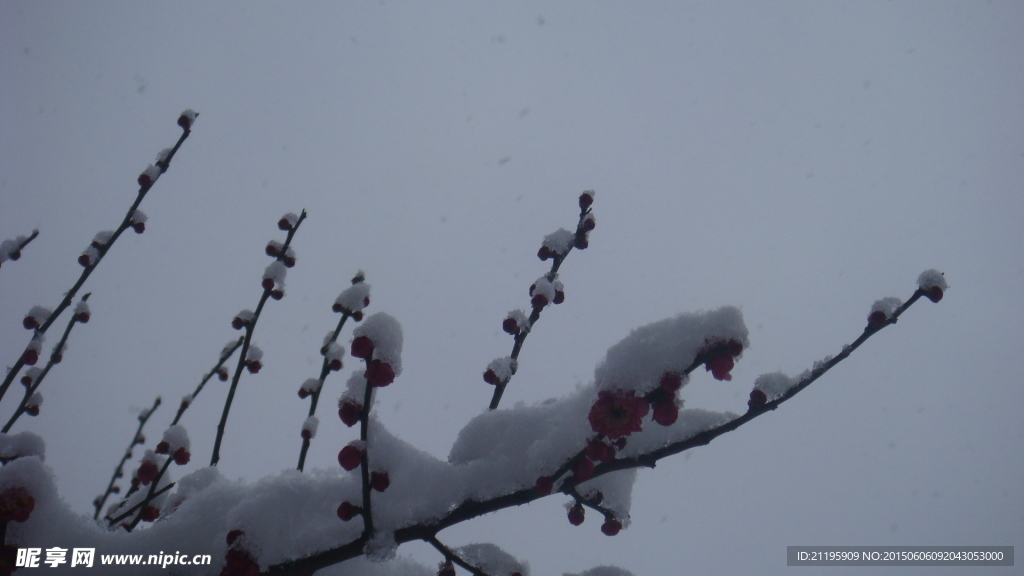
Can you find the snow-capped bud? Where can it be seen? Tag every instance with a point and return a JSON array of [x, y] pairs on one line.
[[187, 118], [148, 470], [35, 318], [359, 277], [349, 411], [274, 275], [181, 456], [581, 242], [149, 176], [289, 258], [243, 319], [510, 325], [30, 376], [138, 221], [140, 439], [222, 374], [499, 370], [89, 257], [186, 401], [379, 481], [362, 347], [576, 514], [288, 221], [586, 199], [589, 223], [611, 527], [353, 299], [277, 294], [379, 374], [253, 359], [82, 312], [350, 457], [274, 248], [757, 398], [163, 447], [556, 244], [932, 284], [881, 311], [31, 354], [348, 511], [877, 319], [310, 386], [309, 427], [33, 403]]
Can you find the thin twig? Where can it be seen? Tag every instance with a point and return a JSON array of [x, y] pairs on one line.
[[119, 470]]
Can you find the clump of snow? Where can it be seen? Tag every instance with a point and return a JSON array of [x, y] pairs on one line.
[[502, 368], [559, 242], [354, 298], [603, 571], [671, 345], [276, 272], [616, 490], [310, 425], [930, 278], [39, 314], [887, 305], [20, 445], [774, 384], [521, 319], [334, 351], [253, 354], [386, 334], [312, 385], [176, 437], [492, 560]]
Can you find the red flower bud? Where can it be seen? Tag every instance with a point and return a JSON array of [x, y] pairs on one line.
[[611, 527], [757, 398], [350, 457], [30, 357], [267, 283], [586, 199], [581, 242], [150, 514], [584, 470], [510, 325], [544, 253], [877, 319], [350, 412], [253, 366], [139, 227], [559, 297], [577, 514], [933, 293], [544, 485], [348, 511], [362, 347], [379, 374], [163, 447], [181, 456], [491, 377], [380, 481]]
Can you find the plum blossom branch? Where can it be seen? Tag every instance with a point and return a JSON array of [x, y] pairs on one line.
[[138, 438], [349, 304], [32, 379], [547, 290], [11, 249], [102, 244], [930, 287], [250, 356]]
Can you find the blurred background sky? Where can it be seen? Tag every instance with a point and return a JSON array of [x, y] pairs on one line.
[[797, 159]]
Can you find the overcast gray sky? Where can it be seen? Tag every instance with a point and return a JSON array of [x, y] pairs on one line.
[[797, 159]]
